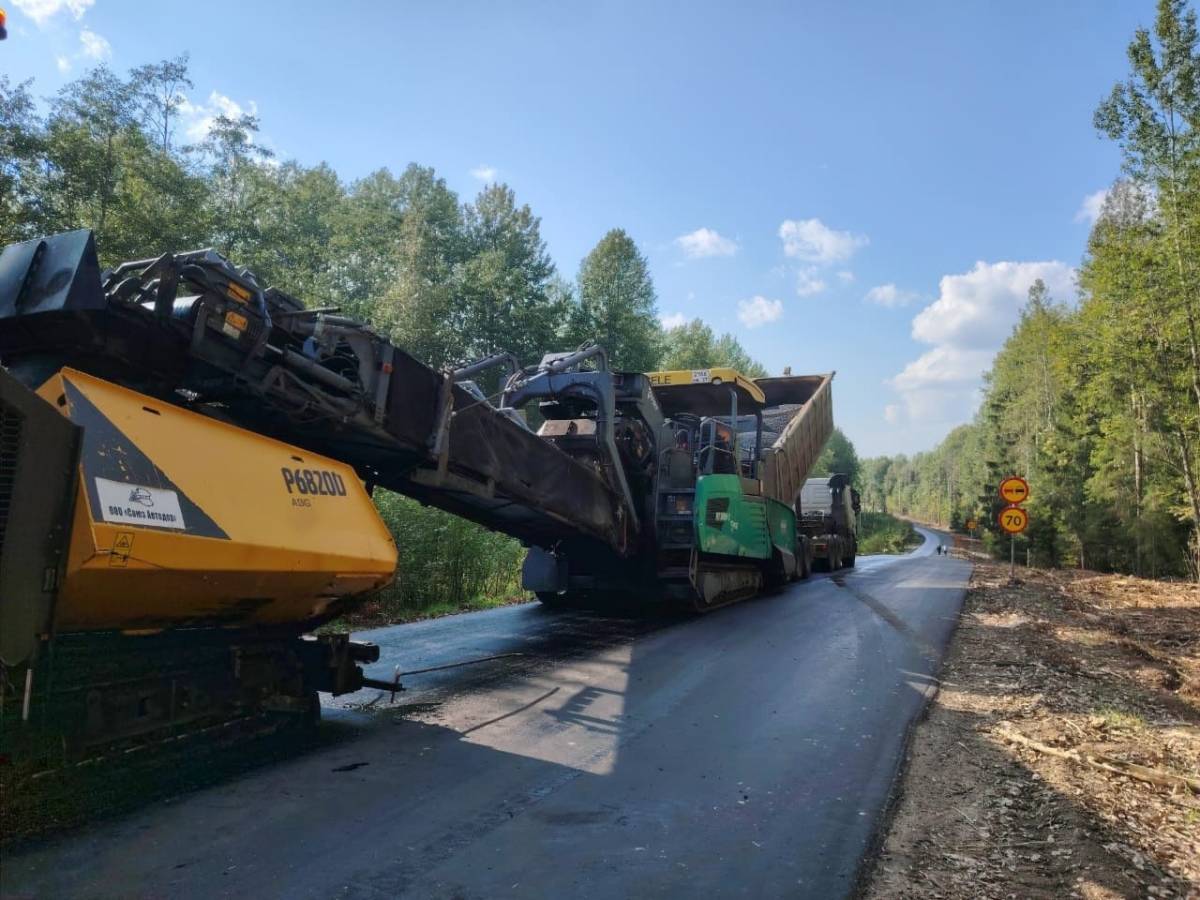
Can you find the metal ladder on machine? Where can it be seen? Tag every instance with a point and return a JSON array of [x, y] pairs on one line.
[[674, 504]]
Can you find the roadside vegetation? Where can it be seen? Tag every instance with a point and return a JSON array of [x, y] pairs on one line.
[[449, 565], [884, 533], [1097, 402], [1061, 756], [447, 278]]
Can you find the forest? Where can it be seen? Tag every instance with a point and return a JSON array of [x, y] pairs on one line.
[[448, 279], [1095, 399]]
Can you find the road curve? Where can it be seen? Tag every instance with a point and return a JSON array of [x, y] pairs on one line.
[[745, 753]]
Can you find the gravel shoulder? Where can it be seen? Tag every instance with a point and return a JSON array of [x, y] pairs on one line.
[[1055, 760]]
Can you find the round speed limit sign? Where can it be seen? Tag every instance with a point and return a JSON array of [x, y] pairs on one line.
[[1013, 519]]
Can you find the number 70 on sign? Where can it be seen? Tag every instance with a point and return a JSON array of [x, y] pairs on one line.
[[1013, 519]]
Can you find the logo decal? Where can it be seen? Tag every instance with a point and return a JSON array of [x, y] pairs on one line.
[[141, 495], [138, 504]]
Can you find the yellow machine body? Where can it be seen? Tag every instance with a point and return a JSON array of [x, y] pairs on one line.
[[183, 520]]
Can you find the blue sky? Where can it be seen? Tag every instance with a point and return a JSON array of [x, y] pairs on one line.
[[864, 187]]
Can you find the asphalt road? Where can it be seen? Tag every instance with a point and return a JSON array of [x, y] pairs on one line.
[[749, 752]]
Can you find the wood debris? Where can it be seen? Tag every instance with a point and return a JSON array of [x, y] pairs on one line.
[[1061, 757]]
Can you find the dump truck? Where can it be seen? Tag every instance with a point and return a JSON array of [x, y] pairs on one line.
[[724, 499], [828, 516], [187, 458]]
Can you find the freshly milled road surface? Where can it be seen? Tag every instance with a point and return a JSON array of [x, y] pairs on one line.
[[748, 752]]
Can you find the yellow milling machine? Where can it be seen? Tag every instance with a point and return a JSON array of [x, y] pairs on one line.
[[184, 520], [179, 562], [186, 464]]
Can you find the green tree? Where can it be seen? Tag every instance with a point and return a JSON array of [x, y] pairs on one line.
[[419, 308], [298, 213], [365, 243], [693, 345], [617, 305], [1154, 115], [21, 150], [97, 168], [159, 89], [838, 458], [505, 283], [1136, 386], [235, 178]]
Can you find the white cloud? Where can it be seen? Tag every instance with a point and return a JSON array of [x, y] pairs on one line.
[[943, 366], [889, 295], [1090, 208], [63, 63], [42, 11], [807, 282], [978, 308], [845, 276], [199, 118], [971, 318], [94, 46], [484, 173], [813, 241], [705, 242], [891, 413], [938, 409], [759, 311], [672, 320]]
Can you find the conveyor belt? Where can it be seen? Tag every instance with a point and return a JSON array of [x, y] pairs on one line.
[[193, 330]]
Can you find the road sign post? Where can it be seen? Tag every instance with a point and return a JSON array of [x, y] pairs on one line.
[[1014, 491]]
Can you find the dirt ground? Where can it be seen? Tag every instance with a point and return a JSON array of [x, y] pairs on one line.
[[1105, 666]]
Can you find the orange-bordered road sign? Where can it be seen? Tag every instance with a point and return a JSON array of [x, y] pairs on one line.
[[1013, 519], [1014, 489]]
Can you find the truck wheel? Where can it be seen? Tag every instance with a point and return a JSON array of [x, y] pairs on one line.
[[848, 561]]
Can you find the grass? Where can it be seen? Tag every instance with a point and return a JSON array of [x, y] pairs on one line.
[[884, 533], [1119, 720]]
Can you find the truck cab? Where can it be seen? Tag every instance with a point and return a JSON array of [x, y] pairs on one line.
[[828, 508]]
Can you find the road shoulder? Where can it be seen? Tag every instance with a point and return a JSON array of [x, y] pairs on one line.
[[1101, 667]]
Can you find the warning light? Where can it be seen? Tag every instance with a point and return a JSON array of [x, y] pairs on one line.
[[3, 25]]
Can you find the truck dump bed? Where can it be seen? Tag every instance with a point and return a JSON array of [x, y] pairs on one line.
[[797, 421]]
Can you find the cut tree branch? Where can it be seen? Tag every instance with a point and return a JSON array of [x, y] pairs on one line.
[[1106, 763]]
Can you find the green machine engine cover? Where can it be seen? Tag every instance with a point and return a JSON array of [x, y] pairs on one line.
[[730, 522]]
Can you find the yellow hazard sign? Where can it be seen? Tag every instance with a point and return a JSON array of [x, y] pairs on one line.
[[121, 548]]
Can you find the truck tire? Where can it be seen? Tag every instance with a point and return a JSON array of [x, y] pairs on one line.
[[848, 561]]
